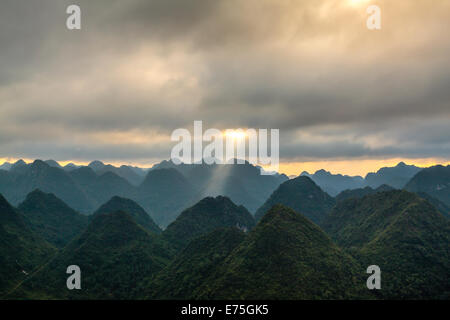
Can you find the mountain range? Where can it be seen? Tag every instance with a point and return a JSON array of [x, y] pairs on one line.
[[114, 253], [434, 181], [301, 243], [285, 256], [163, 191], [333, 184], [401, 233]]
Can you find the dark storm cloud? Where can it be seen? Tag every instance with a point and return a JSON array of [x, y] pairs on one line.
[[140, 69]]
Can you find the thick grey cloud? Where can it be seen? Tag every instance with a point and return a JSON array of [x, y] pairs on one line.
[[140, 69]]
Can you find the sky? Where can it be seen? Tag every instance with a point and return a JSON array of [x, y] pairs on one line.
[[344, 98]]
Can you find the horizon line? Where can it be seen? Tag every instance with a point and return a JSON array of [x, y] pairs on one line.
[[289, 168]]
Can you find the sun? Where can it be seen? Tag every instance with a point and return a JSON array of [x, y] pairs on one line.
[[235, 134], [357, 2]]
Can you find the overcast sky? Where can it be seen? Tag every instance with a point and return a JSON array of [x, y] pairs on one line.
[[138, 69]]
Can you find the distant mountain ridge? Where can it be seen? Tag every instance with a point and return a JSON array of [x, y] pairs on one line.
[[334, 183], [164, 191], [396, 177], [434, 181], [242, 183]]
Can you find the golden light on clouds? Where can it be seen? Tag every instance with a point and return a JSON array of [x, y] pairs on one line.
[[309, 68], [354, 167], [235, 134], [346, 167]]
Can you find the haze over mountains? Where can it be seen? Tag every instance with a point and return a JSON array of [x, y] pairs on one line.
[[163, 191], [213, 250], [166, 238], [396, 177]]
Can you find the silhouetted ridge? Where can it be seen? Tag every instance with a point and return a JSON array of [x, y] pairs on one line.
[[434, 181], [51, 218], [205, 216], [302, 195], [129, 206]]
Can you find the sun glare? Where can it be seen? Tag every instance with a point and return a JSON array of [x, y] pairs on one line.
[[357, 2], [235, 134]]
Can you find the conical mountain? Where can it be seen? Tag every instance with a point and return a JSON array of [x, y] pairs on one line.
[[114, 255], [205, 216], [21, 251], [195, 266], [53, 163], [302, 195], [51, 218], [401, 233], [132, 208], [434, 180], [165, 193], [286, 256], [18, 166], [96, 165]]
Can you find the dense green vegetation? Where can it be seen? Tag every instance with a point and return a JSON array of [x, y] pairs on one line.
[[51, 218], [401, 233], [439, 205], [302, 195], [132, 208], [21, 251], [195, 267], [115, 255], [361, 192], [286, 257], [213, 250], [205, 216]]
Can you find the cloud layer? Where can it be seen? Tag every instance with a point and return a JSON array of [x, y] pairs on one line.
[[140, 69]]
